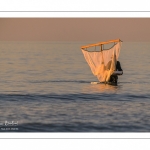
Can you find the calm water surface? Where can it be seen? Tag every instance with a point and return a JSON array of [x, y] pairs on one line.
[[46, 87]]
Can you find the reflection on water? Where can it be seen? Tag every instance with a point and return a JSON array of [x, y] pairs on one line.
[[100, 88]]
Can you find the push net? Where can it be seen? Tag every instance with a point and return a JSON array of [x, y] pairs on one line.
[[103, 62]]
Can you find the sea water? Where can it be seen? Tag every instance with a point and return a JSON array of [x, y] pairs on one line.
[[46, 87]]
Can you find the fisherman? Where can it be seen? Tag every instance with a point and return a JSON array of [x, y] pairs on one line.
[[114, 78], [118, 67]]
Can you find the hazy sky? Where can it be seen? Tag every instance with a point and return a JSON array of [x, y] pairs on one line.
[[74, 29]]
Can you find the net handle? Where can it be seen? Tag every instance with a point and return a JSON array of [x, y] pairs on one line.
[[100, 43]]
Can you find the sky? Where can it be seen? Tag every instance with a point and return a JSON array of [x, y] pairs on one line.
[[75, 29]]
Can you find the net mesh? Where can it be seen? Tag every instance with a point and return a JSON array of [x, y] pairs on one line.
[[103, 63]]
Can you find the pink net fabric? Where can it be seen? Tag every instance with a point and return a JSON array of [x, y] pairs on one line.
[[103, 63]]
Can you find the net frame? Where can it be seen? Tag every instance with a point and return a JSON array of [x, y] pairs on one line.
[[95, 59]]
